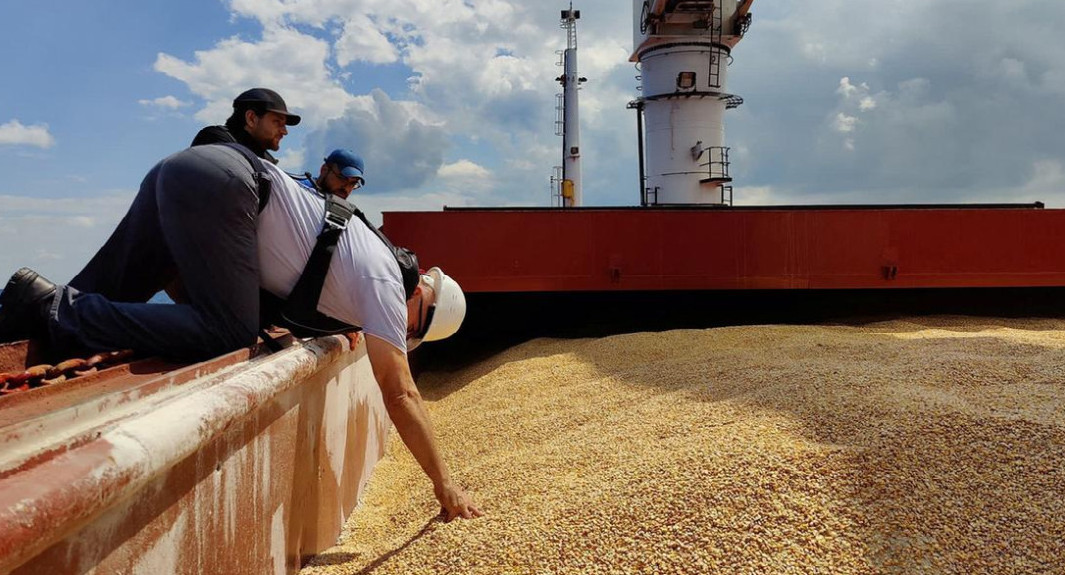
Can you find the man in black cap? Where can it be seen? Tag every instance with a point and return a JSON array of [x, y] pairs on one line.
[[258, 122]]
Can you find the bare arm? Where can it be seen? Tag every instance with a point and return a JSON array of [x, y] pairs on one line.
[[405, 407]]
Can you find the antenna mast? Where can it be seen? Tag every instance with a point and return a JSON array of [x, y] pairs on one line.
[[570, 184]]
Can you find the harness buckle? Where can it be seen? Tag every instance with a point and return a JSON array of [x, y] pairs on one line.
[[335, 221]]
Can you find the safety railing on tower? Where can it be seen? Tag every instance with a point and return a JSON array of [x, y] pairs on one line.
[[716, 164]]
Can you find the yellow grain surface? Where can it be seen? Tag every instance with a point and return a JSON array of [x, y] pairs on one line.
[[932, 445]]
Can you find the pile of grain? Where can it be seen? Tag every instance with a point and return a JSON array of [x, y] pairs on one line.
[[930, 445]]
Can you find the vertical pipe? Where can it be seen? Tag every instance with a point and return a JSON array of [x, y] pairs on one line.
[[639, 146]]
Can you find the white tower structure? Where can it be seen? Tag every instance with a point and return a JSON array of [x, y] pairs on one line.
[[683, 49], [570, 129]]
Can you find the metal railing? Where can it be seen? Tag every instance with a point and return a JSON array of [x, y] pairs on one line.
[[716, 164]]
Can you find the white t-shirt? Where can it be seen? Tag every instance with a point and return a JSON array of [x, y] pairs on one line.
[[363, 286]]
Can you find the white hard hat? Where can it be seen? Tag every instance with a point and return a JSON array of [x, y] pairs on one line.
[[448, 309]]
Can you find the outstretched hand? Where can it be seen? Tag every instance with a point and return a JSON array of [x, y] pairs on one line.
[[455, 503]]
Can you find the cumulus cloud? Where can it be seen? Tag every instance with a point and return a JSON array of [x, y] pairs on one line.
[[164, 102], [466, 177], [291, 62], [362, 41], [463, 170], [844, 123], [401, 149], [15, 133], [850, 91]]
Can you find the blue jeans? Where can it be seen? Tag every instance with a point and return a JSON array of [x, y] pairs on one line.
[[193, 219]]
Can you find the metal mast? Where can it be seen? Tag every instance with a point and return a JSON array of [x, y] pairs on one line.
[[570, 185]]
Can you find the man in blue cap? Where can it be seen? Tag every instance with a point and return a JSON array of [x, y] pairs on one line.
[[340, 174], [259, 121]]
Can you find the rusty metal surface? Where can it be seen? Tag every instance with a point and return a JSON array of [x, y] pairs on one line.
[[20, 355], [46, 374], [22, 369], [241, 465], [768, 248]]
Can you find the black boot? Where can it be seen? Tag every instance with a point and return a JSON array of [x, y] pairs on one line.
[[24, 306]]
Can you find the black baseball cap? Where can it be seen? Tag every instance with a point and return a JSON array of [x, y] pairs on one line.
[[271, 101]]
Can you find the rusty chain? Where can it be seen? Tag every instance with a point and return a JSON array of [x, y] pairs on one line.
[[44, 374]]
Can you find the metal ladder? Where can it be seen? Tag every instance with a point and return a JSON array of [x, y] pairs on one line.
[[560, 98], [716, 26], [556, 188]]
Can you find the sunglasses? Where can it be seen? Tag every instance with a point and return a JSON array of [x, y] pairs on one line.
[[355, 181], [414, 339]]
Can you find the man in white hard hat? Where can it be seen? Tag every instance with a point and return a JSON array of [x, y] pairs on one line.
[[213, 251], [364, 288]]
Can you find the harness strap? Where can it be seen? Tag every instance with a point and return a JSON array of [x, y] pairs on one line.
[[408, 262], [299, 313], [269, 341], [262, 179], [302, 303]]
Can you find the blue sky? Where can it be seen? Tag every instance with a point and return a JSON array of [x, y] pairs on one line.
[[452, 102]]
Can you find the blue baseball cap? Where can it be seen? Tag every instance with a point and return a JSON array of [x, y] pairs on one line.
[[349, 163]]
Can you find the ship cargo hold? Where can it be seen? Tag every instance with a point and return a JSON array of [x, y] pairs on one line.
[[250, 463]]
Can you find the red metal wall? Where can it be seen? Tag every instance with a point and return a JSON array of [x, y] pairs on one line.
[[590, 249]]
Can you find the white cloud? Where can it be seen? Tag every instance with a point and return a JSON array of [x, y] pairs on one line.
[[14, 133], [463, 170], [165, 102], [848, 90], [401, 149], [466, 177], [363, 41], [844, 123], [286, 60]]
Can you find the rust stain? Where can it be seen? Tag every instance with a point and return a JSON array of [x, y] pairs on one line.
[[239, 453], [22, 368]]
